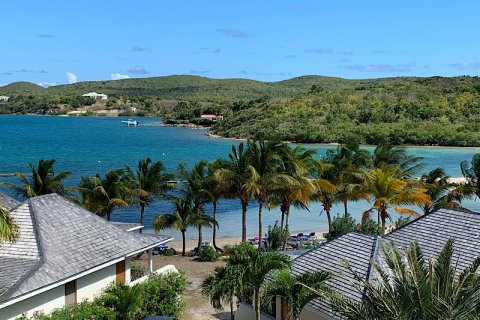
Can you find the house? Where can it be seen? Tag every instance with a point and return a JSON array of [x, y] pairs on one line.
[[96, 96], [4, 98], [65, 254], [358, 249], [211, 117]]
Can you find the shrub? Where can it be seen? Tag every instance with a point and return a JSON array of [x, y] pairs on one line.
[[167, 252], [125, 300], [401, 221], [86, 310], [340, 225], [162, 295], [369, 226], [277, 237], [208, 253]]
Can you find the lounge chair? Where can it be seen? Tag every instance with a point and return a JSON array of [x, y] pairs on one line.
[[312, 236]]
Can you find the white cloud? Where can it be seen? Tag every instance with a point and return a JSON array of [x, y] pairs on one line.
[[118, 76], [46, 84], [72, 77]]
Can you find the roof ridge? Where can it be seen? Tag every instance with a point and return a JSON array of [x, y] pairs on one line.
[[373, 256]]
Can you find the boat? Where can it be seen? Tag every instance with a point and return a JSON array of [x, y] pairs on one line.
[[131, 122]]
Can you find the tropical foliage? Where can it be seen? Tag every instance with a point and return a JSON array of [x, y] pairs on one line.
[[8, 228]]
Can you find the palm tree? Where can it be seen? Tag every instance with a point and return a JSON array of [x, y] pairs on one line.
[[347, 161], [388, 154], [103, 195], [148, 182], [472, 175], [180, 219], [252, 267], [194, 185], [233, 179], [441, 192], [8, 228], [411, 287], [268, 172], [220, 287], [298, 163], [388, 190], [296, 291], [214, 193], [43, 181], [325, 182]]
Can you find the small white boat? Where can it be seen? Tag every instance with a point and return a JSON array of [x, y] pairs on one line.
[[131, 122]]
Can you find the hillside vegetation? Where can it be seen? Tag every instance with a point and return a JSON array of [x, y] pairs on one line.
[[427, 111]]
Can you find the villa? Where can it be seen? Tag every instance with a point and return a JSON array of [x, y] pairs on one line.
[[211, 117], [96, 96], [358, 249], [65, 254], [4, 98]]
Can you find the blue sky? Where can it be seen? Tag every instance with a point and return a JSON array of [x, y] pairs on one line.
[[56, 42]]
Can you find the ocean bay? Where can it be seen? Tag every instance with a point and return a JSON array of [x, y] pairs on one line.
[[90, 145]]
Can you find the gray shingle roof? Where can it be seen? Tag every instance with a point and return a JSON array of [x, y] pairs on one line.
[[127, 226], [70, 240], [431, 231], [7, 203]]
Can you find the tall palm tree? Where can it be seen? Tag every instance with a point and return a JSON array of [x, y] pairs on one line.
[[326, 188], [194, 185], [180, 219], [347, 161], [214, 193], [298, 163], [472, 175], [220, 287], [252, 267], [148, 182], [411, 287], [8, 228], [233, 179], [296, 291], [388, 154], [388, 190], [43, 181], [268, 172], [441, 192], [103, 195]]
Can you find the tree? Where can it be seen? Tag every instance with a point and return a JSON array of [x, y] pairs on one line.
[[266, 159], [220, 287], [43, 181], [472, 175], [387, 191], [325, 182], [296, 290], [214, 193], [125, 300], [8, 228], [180, 219], [411, 287], [103, 195], [233, 179], [389, 154], [441, 192], [252, 267], [147, 183]]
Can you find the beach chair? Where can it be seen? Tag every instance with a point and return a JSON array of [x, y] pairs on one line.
[[206, 243], [160, 248], [312, 236]]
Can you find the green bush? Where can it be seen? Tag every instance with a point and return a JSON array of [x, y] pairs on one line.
[[370, 226], [125, 300], [162, 295], [401, 221], [167, 252], [86, 310], [208, 253], [340, 225], [277, 237]]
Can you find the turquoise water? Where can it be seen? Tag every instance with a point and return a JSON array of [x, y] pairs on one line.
[[87, 146]]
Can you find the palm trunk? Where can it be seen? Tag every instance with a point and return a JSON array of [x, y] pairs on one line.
[[282, 221], [345, 206], [329, 218], [142, 216], [214, 236], [244, 220], [256, 297], [232, 314], [287, 213], [260, 244], [109, 214], [183, 245], [199, 246], [383, 216]]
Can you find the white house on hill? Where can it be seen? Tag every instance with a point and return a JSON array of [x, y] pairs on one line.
[[96, 96], [64, 254], [4, 98]]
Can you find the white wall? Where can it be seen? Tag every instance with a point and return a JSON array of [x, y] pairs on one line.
[[246, 312], [46, 301], [92, 284]]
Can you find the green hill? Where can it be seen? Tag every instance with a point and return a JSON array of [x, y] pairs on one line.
[[21, 88]]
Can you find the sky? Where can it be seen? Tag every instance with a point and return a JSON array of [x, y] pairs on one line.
[[56, 42]]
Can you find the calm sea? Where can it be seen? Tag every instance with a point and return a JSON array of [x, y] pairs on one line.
[[86, 146]]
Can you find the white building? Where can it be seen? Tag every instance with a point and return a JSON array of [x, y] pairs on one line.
[[96, 96], [64, 254], [4, 98]]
